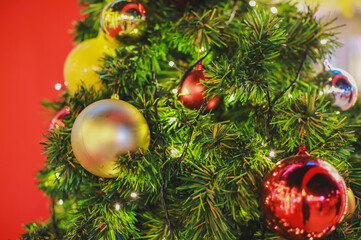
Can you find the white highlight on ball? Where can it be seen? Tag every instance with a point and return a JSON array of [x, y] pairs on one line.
[[58, 86]]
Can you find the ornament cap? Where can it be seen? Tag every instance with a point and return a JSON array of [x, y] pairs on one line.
[[199, 66], [302, 151]]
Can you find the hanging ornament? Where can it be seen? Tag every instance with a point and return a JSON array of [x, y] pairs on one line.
[[192, 91], [57, 120], [83, 63], [124, 21], [303, 197], [351, 204], [340, 85], [105, 130]]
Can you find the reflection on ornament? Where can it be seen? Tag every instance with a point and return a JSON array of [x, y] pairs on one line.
[[341, 85], [351, 204], [303, 197], [57, 120], [83, 63], [124, 21], [192, 91], [105, 130]]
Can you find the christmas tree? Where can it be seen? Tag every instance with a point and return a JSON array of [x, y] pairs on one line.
[[176, 112]]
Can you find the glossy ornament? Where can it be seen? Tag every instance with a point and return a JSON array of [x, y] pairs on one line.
[[124, 21], [303, 197], [57, 120], [83, 63], [351, 204], [105, 130], [191, 92], [340, 85]]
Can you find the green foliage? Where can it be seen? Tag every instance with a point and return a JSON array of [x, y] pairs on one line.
[[200, 177]]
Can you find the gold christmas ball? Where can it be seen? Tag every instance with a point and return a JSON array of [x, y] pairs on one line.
[[105, 130], [123, 20], [351, 204], [82, 65]]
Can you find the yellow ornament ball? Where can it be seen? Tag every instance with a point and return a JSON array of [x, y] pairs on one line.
[[83, 63], [105, 130]]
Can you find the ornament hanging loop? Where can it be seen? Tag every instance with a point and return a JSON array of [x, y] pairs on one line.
[[302, 151], [327, 65], [115, 96]]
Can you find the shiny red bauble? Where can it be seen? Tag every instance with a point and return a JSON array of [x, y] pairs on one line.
[[57, 120], [303, 197], [192, 91]]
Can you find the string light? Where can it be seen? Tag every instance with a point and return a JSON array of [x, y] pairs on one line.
[[57, 175], [117, 206], [175, 91], [338, 112], [172, 120], [61, 202], [58, 86], [231, 98], [290, 95], [171, 63], [202, 49], [252, 3], [175, 153], [133, 195], [323, 41], [274, 10], [272, 153]]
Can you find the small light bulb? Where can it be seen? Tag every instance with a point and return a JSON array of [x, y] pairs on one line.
[[252, 3], [274, 10], [231, 98], [175, 153], [58, 86], [133, 194], [272, 153], [61, 202], [338, 112], [117, 206], [290, 95], [175, 91], [323, 41], [202, 49], [171, 63], [57, 175], [172, 120], [135, 30]]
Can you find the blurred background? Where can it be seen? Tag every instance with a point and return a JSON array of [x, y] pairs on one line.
[[34, 43]]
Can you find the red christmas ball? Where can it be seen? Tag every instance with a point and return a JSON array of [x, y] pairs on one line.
[[57, 120], [303, 197], [192, 91]]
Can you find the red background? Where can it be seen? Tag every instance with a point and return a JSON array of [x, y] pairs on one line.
[[34, 43]]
